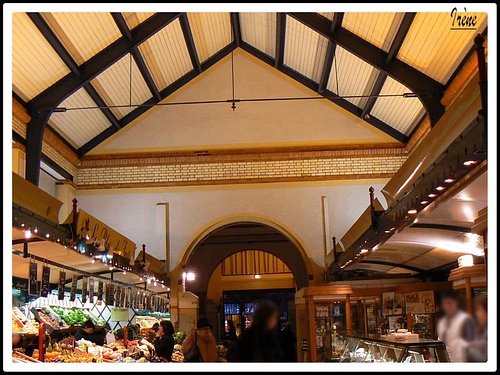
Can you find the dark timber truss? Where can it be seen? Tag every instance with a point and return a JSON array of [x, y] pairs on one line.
[[43, 105]]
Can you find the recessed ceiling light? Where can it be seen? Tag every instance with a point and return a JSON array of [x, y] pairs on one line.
[[432, 195], [424, 202], [468, 163], [412, 211], [364, 251], [440, 188], [449, 180]]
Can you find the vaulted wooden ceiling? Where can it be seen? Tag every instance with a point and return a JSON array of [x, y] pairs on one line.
[[87, 59]]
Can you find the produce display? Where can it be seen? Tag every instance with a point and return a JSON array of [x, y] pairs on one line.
[[72, 316], [177, 355], [133, 332], [179, 337], [45, 315], [21, 324]]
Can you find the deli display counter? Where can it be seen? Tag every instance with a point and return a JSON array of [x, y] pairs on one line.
[[359, 349]]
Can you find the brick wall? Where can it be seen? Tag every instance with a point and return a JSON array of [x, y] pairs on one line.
[[333, 168], [48, 149]]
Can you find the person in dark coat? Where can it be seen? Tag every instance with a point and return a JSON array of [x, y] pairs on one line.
[[231, 334], [260, 342], [288, 344], [164, 341], [89, 332]]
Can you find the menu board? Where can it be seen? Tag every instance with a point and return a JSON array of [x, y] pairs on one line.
[[60, 285], [74, 282], [91, 290], [84, 289], [33, 282], [44, 292]]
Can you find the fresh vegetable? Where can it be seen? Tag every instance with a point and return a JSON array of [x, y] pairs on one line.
[[71, 316]]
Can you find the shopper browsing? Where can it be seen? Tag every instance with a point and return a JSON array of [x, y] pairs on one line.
[[199, 345], [164, 341], [455, 328]]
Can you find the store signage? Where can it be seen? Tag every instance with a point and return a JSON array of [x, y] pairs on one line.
[[91, 290], [74, 282], [44, 290], [100, 289], [118, 296], [463, 20], [33, 282], [98, 231], [60, 286], [84, 289], [107, 294]]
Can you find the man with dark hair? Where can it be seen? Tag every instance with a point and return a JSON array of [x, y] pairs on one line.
[[88, 332], [455, 328]]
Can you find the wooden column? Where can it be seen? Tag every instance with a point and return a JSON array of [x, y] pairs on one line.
[[348, 316], [312, 330], [468, 296]]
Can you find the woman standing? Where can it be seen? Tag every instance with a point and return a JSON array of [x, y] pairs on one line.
[[203, 338], [164, 341], [260, 342]]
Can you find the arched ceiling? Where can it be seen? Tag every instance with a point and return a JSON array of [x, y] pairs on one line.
[[87, 59]]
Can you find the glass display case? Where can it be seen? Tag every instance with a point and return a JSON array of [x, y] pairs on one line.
[[357, 349], [330, 329]]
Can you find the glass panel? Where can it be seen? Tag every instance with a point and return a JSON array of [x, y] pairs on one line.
[[362, 352], [377, 352], [392, 354], [414, 357], [350, 348], [431, 354]]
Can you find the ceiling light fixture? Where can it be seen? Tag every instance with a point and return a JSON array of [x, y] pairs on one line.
[[27, 234], [424, 202], [440, 188], [432, 195], [468, 163], [412, 211], [449, 180]]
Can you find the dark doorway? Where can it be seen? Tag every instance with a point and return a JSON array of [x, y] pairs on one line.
[[234, 238]]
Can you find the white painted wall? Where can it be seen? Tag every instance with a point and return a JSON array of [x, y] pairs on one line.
[[296, 207], [47, 183]]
